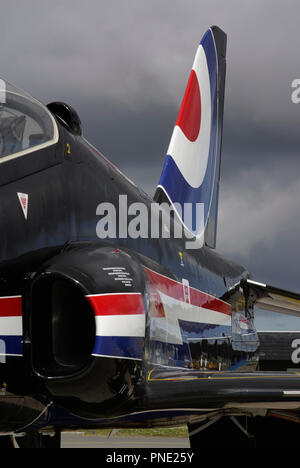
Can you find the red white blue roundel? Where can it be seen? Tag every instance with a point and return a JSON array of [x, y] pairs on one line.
[[190, 167]]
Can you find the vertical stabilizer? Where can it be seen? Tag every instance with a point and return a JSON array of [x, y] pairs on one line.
[[192, 167]]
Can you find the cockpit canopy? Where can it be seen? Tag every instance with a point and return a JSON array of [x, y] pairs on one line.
[[26, 125]]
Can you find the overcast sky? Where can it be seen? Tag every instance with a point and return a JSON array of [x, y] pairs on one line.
[[124, 65]]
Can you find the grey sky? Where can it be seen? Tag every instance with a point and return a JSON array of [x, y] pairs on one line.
[[124, 65]]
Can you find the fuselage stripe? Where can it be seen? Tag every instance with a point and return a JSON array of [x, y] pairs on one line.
[[11, 306], [11, 326], [198, 298], [117, 304]]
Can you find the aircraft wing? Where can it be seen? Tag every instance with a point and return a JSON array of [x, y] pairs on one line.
[[273, 299]]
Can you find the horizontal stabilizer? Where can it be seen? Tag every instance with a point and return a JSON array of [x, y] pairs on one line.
[[274, 299]]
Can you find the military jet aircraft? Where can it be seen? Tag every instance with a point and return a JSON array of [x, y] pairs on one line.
[[109, 321]]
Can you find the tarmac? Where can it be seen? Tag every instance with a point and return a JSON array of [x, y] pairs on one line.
[[80, 440]]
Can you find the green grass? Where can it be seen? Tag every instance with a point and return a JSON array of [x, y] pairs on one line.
[[180, 431]]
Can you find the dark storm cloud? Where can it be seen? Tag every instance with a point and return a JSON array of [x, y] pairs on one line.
[[133, 57], [124, 65]]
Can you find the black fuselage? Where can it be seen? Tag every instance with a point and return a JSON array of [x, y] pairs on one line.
[[65, 183]]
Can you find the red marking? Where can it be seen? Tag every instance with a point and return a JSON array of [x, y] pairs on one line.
[[117, 304], [23, 198], [10, 306], [186, 294], [166, 285], [189, 117], [156, 308], [175, 290]]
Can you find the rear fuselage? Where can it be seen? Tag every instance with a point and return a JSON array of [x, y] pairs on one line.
[[188, 320]]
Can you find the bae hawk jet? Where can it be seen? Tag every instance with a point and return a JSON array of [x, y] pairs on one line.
[[129, 331]]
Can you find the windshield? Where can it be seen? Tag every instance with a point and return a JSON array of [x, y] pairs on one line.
[[25, 124]]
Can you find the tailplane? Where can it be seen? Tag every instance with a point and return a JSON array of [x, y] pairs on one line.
[[192, 167]]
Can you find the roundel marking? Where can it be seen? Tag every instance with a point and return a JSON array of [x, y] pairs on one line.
[[189, 117]]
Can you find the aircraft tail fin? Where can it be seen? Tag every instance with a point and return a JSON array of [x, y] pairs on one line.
[[192, 166]]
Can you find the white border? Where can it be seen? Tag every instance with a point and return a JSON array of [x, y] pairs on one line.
[[38, 147]]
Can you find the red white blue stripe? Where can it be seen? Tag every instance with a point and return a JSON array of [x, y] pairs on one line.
[[11, 326], [120, 325], [179, 312]]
